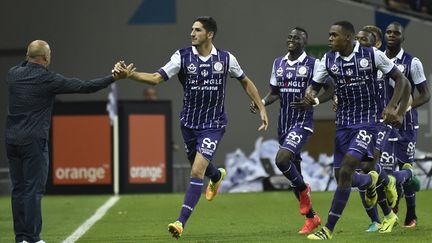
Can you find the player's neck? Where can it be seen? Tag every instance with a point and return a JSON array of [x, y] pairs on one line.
[[348, 50], [204, 49], [391, 52], [294, 55]]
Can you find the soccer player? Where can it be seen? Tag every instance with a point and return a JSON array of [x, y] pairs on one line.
[[354, 69], [404, 149], [32, 89], [370, 36], [291, 74], [203, 71]]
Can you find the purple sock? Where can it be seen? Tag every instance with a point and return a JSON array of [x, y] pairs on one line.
[[382, 200], [402, 176], [382, 175], [360, 180], [289, 170], [410, 198], [339, 202], [191, 198], [372, 212], [212, 172]]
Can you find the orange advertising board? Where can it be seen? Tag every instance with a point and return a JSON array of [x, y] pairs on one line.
[[147, 149], [81, 150]]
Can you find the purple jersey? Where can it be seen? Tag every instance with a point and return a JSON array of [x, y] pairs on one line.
[[204, 83], [356, 83], [412, 68], [289, 79]]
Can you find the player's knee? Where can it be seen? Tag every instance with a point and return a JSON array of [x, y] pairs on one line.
[[197, 173], [345, 175], [283, 157]]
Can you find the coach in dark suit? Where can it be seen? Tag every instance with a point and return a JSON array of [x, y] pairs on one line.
[[32, 90]]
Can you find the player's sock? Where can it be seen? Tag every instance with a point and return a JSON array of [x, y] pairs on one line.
[[212, 172], [339, 202], [372, 212], [402, 176], [360, 180], [382, 201], [191, 199], [382, 175], [410, 198], [290, 171]]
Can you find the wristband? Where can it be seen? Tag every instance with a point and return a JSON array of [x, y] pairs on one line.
[[263, 102], [316, 101]]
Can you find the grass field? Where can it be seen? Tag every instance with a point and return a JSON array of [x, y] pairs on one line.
[[248, 217]]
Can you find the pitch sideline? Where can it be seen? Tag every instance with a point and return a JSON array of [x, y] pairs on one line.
[[100, 212]]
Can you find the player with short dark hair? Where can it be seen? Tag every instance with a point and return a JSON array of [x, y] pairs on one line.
[[291, 74], [203, 71], [404, 140], [354, 69]]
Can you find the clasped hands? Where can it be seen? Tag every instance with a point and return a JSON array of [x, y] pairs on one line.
[[121, 70]]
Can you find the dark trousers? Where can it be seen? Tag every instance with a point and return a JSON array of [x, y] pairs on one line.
[[28, 166]]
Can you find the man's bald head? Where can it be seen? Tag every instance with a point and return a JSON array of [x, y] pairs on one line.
[[38, 51]]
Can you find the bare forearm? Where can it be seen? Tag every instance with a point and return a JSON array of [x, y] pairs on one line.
[[148, 78], [423, 97], [402, 87], [252, 92], [270, 98]]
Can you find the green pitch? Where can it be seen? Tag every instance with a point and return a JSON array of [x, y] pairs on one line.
[[248, 217]]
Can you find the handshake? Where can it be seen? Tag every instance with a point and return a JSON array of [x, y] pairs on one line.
[[121, 70]]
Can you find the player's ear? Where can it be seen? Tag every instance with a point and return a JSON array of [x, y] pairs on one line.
[[210, 34]]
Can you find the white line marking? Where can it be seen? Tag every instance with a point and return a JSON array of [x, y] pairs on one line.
[[100, 212]]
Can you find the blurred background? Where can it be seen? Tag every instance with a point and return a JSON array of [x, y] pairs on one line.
[[88, 37]]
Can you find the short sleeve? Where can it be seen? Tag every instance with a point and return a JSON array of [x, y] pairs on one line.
[[235, 70], [320, 73], [172, 67]]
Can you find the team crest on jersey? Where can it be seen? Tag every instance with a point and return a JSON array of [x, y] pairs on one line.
[[302, 71], [204, 73], [279, 72], [218, 67], [289, 75], [191, 69], [334, 69], [401, 67], [365, 63], [349, 72]]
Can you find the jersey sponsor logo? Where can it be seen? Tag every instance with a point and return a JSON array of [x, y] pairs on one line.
[[302, 71], [293, 139], [363, 139], [348, 64], [365, 63], [218, 67], [410, 150], [153, 173], [387, 161], [208, 146], [380, 137], [204, 65], [191, 68]]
